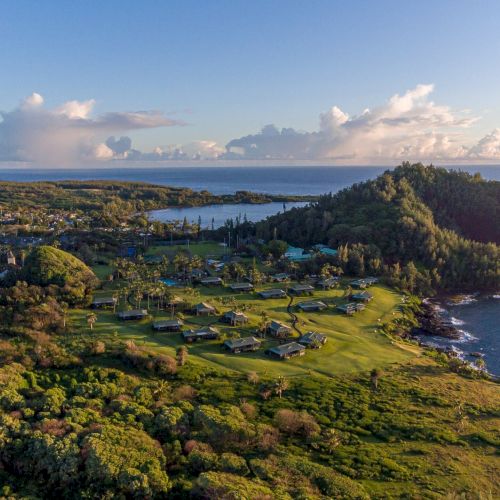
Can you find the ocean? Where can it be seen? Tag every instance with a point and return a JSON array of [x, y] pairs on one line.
[[479, 318], [226, 180]]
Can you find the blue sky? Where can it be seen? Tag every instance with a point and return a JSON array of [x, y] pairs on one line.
[[228, 68]]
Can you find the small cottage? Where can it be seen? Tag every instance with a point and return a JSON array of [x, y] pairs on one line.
[[278, 329], [103, 302], [133, 314], [274, 293], [301, 289], [168, 325], [203, 309], [205, 333], [313, 340], [311, 306], [242, 345], [241, 287], [234, 318], [286, 351]]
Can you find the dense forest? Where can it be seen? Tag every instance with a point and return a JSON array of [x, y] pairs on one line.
[[444, 224]]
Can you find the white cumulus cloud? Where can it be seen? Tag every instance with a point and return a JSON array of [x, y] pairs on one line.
[[68, 133]]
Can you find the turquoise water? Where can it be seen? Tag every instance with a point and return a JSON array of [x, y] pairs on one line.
[[169, 282]]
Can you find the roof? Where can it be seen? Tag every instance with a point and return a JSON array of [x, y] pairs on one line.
[[167, 323], [204, 305], [244, 342], [273, 291], [302, 288], [312, 337], [362, 295], [211, 279], [313, 304], [351, 306], [328, 251], [283, 349], [293, 251], [275, 325], [235, 314], [104, 300], [201, 332], [236, 286], [328, 281], [134, 312]]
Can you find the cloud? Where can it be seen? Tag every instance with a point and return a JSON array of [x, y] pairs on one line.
[[68, 133], [410, 126], [407, 126]]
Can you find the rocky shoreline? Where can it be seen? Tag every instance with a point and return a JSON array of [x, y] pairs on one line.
[[431, 323]]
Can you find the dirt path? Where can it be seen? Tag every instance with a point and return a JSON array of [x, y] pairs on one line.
[[295, 320]]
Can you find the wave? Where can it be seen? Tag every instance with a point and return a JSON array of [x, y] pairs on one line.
[[496, 296], [465, 337], [463, 300], [456, 321]]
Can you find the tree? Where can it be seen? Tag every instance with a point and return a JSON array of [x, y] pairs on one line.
[[281, 386], [182, 354], [91, 319], [375, 375], [253, 378]]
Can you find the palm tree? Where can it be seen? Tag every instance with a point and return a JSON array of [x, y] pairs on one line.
[[281, 386], [253, 378], [160, 389], [91, 319], [182, 354], [64, 309], [375, 375]]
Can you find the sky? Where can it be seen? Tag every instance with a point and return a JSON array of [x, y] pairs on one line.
[[356, 82]]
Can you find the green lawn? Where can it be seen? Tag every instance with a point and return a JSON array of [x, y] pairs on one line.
[[354, 344], [202, 249]]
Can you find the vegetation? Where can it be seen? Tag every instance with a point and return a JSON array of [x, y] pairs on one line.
[[96, 407], [435, 228]]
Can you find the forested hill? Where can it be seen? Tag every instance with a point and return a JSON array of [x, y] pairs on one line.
[[129, 196], [446, 223]]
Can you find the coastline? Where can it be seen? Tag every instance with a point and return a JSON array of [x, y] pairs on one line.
[[443, 328]]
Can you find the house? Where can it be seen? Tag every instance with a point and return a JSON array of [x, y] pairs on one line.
[[203, 309], [362, 296], [241, 287], [351, 308], [278, 329], [364, 282], [313, 305], [280, 277], [103, 302], [205, 333], [168, 325], [274, 293], [211, 281], [11, 258], [133, 314], [234, 318], [295, 254], [301, 289], [358, 283], [313, 340], [328, 283], [329, 252], [241, 345], [287, 351]]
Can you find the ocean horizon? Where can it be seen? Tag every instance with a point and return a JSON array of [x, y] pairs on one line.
[[286, 180]]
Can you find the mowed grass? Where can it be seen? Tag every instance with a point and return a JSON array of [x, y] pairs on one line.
[[354, 343], [203, 249]]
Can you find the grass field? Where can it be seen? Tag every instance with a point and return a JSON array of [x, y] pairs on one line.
[[202, 249], [354, 343]]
